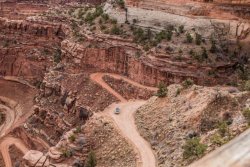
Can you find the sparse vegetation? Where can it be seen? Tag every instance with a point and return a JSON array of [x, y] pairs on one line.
[[187, 83], [181, 29], [246, 113], [247, 85], [218, 140], [116, 30], [91, 160], [57, 56], [121, 3], [67, 153], [193, 148], [189, 38], [72, 138], [198, 39], [223, 128], [162, 90]]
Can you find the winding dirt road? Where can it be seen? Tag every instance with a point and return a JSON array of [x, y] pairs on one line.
[[5, 145], [17, 108], [125, 120]]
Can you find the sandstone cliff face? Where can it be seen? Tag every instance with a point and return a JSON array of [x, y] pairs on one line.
[[26, 48], [116, 59]]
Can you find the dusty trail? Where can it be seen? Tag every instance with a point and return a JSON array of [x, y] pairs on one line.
[[6, 143], [125, 120], [17, 109], [9, 119]]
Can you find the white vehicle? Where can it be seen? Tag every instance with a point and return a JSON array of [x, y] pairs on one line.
[[117, 110]]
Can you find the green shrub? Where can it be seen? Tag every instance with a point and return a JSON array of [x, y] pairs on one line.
[[213, 48], [135, 21], [223, 128], [91, 160], [67, 153], [187, 83], [103, 27], [89, 17], [162, 90], [105, 17], [78, 129], [169, 35], [247, 85], [57, 56], [98, 11], [72, 138], [193, 148], [189, 38], [217, 139], [202, 55], [116, 30], [198, 39], [121, 3], [138, 35], [178, 91], [181, 29], [2, 117], [113, 21], [246, 113]]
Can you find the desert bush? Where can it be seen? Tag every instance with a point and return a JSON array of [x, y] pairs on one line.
[[121, 3], [247, 85], [67, 153], [189, 38], [162, 90], [116, 30], [57, 56], [113, 21], [135, 21], [103, 27], [218, 140], [213, 48], [181, 29], [246, 113], [193, 148], [72, 138], [105, 16], [223, 128], [91, 160], [187, 83], [89, 17], [198, 39], [1, 118]]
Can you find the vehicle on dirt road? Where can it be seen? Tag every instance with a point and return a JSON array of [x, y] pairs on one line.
[[117, 110]]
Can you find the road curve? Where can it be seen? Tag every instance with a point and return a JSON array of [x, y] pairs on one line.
[[6, 143], [14, 118], [125, 120]]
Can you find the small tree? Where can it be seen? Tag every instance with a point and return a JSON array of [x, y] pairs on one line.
[[181, 29], [246, 113], [247, 86], [91, 160], [187, 83], [189, 38], [198, 39], [193, 148], [116, 30], [162, 90]]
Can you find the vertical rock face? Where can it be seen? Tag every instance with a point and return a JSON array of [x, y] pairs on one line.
[[25, 47], [114, 59]]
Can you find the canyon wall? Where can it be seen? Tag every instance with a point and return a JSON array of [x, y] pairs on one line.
[[115, 59], [27, 48]]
